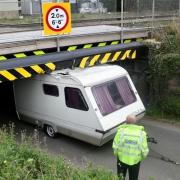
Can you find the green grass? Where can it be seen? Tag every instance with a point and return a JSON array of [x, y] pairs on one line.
[[168, 108], [18, 21], [24, 161]]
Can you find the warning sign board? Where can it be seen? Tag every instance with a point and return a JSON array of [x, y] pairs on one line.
[[56, 18]]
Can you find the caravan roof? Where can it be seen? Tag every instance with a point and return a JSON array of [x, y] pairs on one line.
[[93, 75]]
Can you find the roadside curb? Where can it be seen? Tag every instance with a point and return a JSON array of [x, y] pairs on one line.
[[161, 120]]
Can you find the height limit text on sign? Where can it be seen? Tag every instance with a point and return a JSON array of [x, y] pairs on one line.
[[56, 18]]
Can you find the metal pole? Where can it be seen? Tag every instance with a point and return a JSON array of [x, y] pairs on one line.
[[98, 7], [20, 8], [40, 3], [58, 36], [122, 19], [137, 8], [58, 43], [153, 11], [76, 7], [41, 13], [31, 9], [179, 8]]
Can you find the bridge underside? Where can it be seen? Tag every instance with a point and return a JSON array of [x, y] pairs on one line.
[[25, 54], [26, 65]]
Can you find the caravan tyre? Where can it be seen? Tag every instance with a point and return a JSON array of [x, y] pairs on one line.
[[49, 130]]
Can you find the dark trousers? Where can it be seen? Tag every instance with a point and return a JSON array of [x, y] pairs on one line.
[[133, 170]]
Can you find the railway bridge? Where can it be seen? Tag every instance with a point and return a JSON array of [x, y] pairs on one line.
[[26, 54]]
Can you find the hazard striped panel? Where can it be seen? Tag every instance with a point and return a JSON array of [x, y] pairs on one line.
[[6, 75], [100, 44], [67, 48], [107, 58], [87, 61], [2, 58], [49, 65], [25, 72], [94, 59], [29, 71]]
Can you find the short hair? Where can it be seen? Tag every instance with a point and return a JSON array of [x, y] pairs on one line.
[[131, 119]]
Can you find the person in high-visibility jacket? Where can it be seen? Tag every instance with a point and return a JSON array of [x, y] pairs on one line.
[[131, 147]]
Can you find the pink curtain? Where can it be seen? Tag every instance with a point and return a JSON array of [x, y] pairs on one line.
[[125, 91], [103, 103], [104, 97]]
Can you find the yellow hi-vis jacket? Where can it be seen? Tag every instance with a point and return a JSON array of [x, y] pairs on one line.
[[130, 144]]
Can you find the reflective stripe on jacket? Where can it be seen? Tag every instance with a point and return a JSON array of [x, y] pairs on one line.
[[130, 144]]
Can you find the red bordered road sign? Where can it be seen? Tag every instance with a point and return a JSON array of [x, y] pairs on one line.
[[56, 18]]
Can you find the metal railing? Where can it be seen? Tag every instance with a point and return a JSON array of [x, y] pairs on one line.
[[22, 15]]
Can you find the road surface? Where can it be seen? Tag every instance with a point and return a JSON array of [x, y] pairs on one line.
[[79, 153]]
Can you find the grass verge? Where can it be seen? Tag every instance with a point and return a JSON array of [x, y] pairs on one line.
[[24, 161], [167, 108]]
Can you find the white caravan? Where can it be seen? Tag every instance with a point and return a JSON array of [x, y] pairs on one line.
[[87, 104]]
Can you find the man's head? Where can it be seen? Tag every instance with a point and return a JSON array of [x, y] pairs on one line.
[[131, 119]]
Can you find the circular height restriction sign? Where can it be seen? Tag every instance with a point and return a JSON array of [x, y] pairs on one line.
[[56, 18]]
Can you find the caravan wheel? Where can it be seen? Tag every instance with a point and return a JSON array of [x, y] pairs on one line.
[[49, 130]]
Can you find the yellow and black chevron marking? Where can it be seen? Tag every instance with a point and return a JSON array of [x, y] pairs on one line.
[[66, 48], [91, 45], [106, 58], [25, 72], [29, 71], [100, 44], [109, 57]]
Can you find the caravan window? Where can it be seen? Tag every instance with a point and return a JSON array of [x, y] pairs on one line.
[[51, 90], [113, 95], [74, 99]]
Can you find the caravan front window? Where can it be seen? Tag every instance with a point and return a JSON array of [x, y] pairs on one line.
[[74, 99], [113, 95], [50, 89]]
